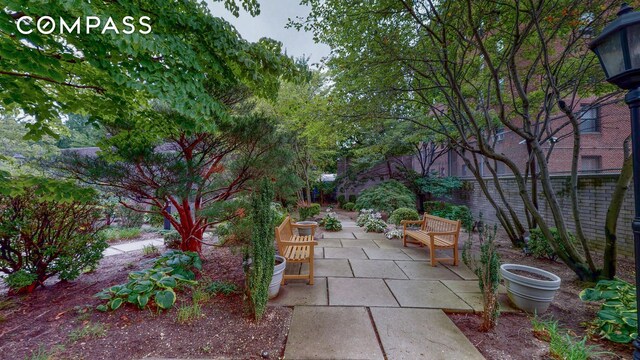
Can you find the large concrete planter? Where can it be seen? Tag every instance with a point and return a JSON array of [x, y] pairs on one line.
[[306, 231], [528, 293], [276, 279]]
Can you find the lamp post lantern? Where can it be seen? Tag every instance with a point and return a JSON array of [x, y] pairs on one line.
[[618, 49]]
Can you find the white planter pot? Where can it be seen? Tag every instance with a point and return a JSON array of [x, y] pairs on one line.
[[305, 231], [278, 272], [529, 294]]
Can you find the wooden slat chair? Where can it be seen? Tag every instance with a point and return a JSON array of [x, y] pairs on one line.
[[436, 233], [296, 248]]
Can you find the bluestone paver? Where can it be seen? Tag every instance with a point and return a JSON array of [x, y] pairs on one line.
[[385, 254], [338, 235], [476, 302], [358, 243], [329, 267], [389, 244], [300, 293], [380, 269], [345, 253], [425, 294], [328, 243], [370, 236], [421, 334], [417, 253], [462, 270], [318, 252], [359, 292], [137, 245], [422, 270], [319, 332]]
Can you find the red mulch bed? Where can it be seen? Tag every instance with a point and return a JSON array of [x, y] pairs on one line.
[[44, 320], [513, 337]]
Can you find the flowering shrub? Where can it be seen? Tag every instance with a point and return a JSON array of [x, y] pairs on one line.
[[375, 225], [331, 222], [393, 233]]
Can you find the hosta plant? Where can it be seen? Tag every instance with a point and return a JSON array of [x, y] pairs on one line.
[[617, 319], [394, 233], [375, 225], [365, 215], [331, 222], [155, 286]]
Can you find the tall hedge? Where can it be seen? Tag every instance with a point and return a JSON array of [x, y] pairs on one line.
[[263, 250], [388, 196]]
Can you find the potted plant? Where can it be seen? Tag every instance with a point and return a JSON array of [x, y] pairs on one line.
[[307, 210], [529, 288], [276, 279]]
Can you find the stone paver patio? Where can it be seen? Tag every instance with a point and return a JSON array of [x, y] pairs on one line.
[[374, 299]]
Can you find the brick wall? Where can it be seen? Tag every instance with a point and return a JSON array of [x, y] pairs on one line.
[[594, 194]]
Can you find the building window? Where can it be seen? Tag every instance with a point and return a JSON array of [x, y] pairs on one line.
[[589, 118], [501, 168], [591, 163], [463, 170], [500, 133]]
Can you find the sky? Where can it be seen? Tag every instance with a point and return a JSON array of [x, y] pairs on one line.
[[271, 22]]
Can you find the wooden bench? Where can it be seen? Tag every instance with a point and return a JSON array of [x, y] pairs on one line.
[[296, 248], [436, 233]]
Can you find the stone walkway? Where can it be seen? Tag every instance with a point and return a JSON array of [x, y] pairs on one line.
[[122, 248], [373, 299]]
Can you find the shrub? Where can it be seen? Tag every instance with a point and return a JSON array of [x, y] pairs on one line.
[[349, 206], [262, 249], [395, 233], [487, 268], [352, 198], [617, 317], [403, 214], [366, 214], [131, 216], [539, 246], [388, 196], [375, 225], [307, 210], [341, 201], [451, 212], [172, 240], [34, 212], [154, 286], [331, 222]]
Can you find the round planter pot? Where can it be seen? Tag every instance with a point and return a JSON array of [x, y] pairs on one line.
[[305, 231], [278, 272], [530, 294]]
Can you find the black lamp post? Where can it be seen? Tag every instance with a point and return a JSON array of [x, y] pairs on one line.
[[618, 48]]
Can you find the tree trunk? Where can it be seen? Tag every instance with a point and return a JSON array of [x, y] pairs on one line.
[[611, 220]]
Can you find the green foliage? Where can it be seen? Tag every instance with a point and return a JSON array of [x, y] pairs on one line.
[[331, 222], [439, 186], [352, 198], [88, 331], [374, 225], [403, 214], [33, 214], [20, 279], [182, 63], [341, 201], [222, 287], [487, 268], [130, 216], [172, 240], [562, 345], [156, 285], [451, 212], [617, 319], [262, 249], [150, 250], [366, 214], [387, 196], [539, 246], [307, 211], [349, 206], [117, 233]]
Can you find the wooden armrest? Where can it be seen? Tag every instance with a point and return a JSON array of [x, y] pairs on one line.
[[304, 225], [405, 222], [298, 243]]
